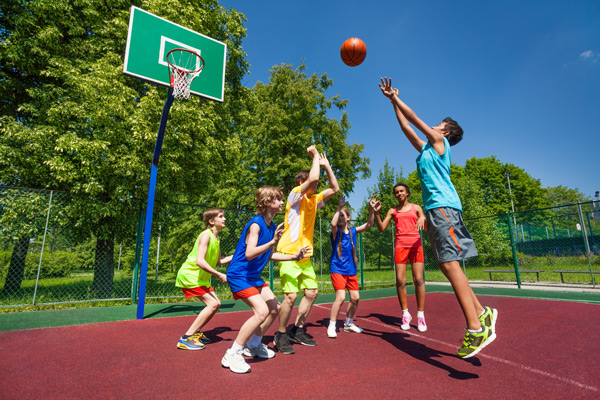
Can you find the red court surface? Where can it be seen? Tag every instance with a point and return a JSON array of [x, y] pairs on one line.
[[544, 350]]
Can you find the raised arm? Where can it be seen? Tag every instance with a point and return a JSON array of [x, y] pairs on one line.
[[313, 175], [201, 260], [336, 215], [390, 93], [372, 203], [433, 136], [333, 184], [381, 225]]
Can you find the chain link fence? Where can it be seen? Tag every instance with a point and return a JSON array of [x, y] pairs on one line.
[[56, 247]]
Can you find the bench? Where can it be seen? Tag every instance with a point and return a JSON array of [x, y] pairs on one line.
[[563, 271], [512, 271]]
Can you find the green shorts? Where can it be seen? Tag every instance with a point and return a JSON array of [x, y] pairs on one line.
[[297, 275]]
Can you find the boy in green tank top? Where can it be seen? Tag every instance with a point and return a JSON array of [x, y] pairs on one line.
[[194, 277]]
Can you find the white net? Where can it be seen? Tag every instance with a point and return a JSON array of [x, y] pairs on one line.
[[182, 80], [184, 66]]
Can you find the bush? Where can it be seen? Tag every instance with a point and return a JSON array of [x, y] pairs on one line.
[[57, 264]]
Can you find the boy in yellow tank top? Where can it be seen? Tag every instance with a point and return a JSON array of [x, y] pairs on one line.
[[300, 214], [194, 277]]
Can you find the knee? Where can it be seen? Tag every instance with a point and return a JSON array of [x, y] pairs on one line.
[[214, 306], [290, 298], [274, 307], [311, 294], [400, 283], [355, 299], [418, 282]]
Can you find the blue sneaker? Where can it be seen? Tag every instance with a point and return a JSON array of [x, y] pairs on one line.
[[189, 344]]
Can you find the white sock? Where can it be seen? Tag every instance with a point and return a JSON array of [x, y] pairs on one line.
[[332, 324], [476, 330], [483, 312], [420, 314], [237, 347], [405, 313], [349, 321], [254, 341]]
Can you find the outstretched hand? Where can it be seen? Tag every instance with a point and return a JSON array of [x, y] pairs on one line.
[[312, 151], [323, 161], [278, 233], [342, 201], [374, 203], [386, 88]]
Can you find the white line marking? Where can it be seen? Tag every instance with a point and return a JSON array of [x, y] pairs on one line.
[[497, 359]]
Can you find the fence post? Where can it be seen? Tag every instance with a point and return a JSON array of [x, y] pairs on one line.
[[514, 250], [320, 251], [587, 244], [271, 275], [37, 279], [136, 264]]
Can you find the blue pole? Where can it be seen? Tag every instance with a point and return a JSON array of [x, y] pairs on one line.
[[150, 205]]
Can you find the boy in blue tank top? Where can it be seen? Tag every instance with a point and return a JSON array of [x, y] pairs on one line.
[[449, 237]]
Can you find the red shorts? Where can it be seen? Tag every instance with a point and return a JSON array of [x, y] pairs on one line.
[[249, 292], [197, 291], [341, 282], [405, 254]]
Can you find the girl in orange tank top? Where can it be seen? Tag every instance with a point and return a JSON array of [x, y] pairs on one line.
[[409, 219]]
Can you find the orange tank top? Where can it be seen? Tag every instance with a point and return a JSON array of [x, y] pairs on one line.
[[407, 234]]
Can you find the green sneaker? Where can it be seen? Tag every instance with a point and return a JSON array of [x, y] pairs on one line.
[[489, 317], [475, 342]]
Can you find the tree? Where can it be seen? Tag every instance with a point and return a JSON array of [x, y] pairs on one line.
[[72, 121], [561, 195], [491, 176], [279, 120]]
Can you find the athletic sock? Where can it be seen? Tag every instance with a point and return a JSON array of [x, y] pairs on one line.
[[483, 312], [405, 313], [349, 321], [254, 341], [420, 314], [332, 324], [476, 330], [237, 347]]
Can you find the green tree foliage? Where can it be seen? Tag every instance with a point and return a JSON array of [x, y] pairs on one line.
[[491, 176], [560, 195], [278, 121], [72, 121]]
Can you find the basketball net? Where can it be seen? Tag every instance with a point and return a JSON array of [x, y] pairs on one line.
[[184, 66]]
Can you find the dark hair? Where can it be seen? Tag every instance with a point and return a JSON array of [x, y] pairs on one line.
[[456, 132], [302, 176], [401, 184], [209, 214]]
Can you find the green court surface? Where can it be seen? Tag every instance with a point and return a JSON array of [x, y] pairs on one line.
[[49, 318]]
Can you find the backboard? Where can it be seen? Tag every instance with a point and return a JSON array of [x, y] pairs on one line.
[[149, 40]]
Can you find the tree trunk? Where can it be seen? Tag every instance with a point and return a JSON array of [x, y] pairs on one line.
[[16, 270], [104, 268]]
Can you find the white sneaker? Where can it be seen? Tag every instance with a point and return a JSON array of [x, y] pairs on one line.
[[262, 351], [406, 322], [421, 326], [235, 362], [331, 333], [352, 328]]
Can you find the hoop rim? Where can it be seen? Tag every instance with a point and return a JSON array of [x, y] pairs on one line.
[[182, 69]]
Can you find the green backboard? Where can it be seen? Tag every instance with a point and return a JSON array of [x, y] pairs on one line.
[[149, 40]]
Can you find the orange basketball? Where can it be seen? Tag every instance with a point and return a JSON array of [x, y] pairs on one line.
[[353, 52]]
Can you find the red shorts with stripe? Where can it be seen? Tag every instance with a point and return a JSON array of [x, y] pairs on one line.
[[402, 255], [249, 292], [197, 291], [342, 282]]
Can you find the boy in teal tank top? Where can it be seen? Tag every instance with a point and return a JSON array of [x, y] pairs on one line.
[[449, 237], [194, 277]]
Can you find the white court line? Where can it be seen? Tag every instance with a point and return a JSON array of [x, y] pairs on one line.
[[497, 359]]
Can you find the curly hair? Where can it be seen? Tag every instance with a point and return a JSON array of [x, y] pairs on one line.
[[456, 132], [264, 196]]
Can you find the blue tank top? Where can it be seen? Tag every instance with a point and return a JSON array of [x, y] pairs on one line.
[[241, 273], [345, 265], [434, 174]]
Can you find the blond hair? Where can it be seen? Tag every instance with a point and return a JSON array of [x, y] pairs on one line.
[[264, 196], [339, 247], [209, 214]]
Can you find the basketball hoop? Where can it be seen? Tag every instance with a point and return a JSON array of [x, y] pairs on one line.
[[184, 66]]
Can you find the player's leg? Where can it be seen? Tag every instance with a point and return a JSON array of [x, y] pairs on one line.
[[193, 339], [417, 266], [213, 304], [289, 285], [401, 258], [340, 296], [349, 325], [307, 280], [254, 346]]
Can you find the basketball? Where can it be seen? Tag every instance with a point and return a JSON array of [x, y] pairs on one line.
[[353, 52]]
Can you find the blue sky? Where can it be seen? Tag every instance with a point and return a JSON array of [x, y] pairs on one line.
[[521, 77]]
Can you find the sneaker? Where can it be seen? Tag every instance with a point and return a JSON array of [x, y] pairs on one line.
[[282, 343], [331, 332], [189, 344], [421, 326], [352, 328], [405, 322], [201, 337], [262, 351], [489, 317], [302, 338], [475, 342], [235, 362]]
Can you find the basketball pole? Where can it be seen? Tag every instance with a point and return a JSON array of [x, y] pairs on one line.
[[150, 204]]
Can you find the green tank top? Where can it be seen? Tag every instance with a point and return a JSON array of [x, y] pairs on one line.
[[192, 276]]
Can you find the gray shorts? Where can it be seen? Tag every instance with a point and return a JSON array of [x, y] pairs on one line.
[[449, 237]]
